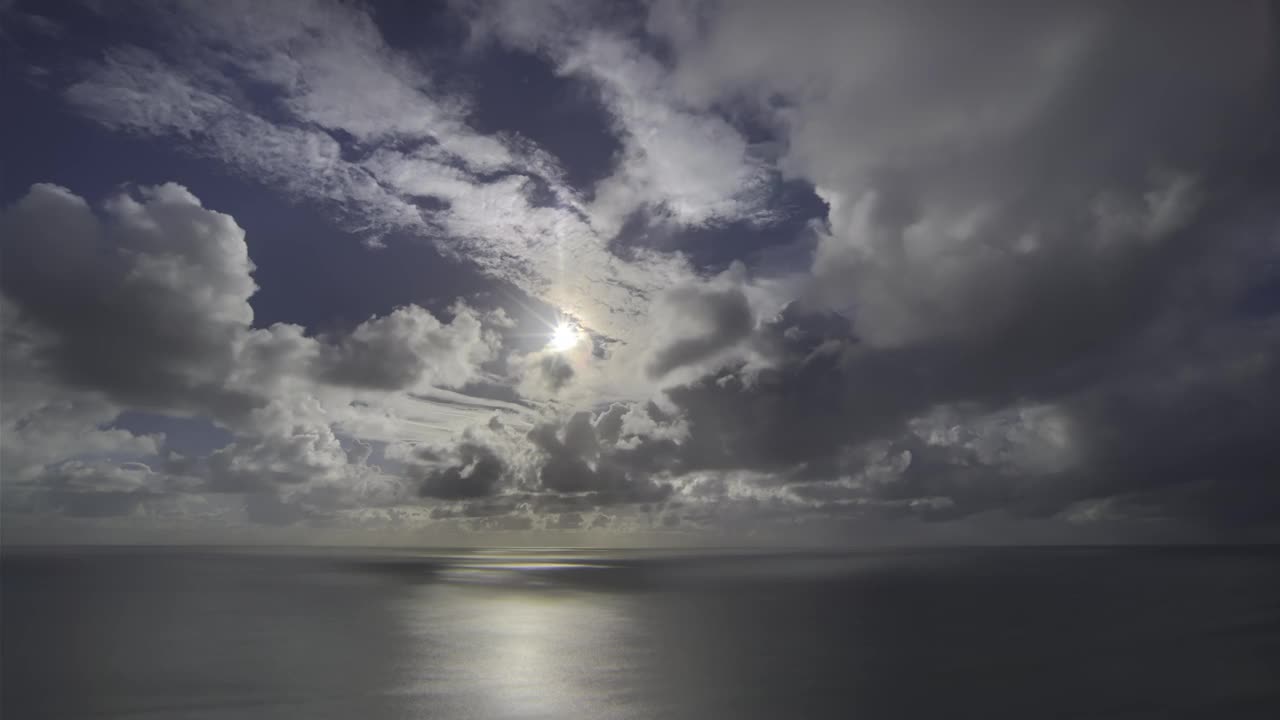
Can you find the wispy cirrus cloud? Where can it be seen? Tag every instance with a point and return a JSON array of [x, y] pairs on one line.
[[401, 158]]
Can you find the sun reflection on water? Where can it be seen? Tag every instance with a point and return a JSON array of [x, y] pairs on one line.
[[488, 647]]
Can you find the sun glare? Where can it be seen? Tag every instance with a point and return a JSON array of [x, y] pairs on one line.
[[563, 337]]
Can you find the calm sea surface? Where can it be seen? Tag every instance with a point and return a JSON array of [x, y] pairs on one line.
[[1010, 633]]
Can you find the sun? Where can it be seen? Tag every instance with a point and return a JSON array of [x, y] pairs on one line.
[[563, 337]]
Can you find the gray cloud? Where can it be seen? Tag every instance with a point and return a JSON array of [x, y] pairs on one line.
[[970, 154], [720, 319], [406, 348], [574, 461], [1011, 226], [949, 430], [144, 306], [1044, 286], [95, 489], [477, 474], [685, 166], [566, 521], [553, 370]]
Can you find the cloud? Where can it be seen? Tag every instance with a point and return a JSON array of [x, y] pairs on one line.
[[321, 54], [477, 474], [903, 275], [963, 150], [565, 464], [571, 459], [403, 160], [138, 91], [149, 305], [407, 348], [843, 427], [144, 305], [688, 166], [44, 422], [95, 489], [986, 249], [550, 370], [721, 318], [1042, 287], [566, 521], [692, 168]]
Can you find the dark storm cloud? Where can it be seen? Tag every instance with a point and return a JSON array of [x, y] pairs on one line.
[[608, 423], [575, 462], [1190, 433], [555, 371], [720, 318], [1006, 275], [1158, 425], [802, 411], [576, 466], [145, 307], [476, 474], [828, 393]]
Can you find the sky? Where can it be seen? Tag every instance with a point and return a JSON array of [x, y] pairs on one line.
[[668, 272]]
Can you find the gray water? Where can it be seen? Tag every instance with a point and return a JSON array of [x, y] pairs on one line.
[[1017, 633]]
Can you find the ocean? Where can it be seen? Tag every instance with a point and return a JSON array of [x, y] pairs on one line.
[[969, 633]]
